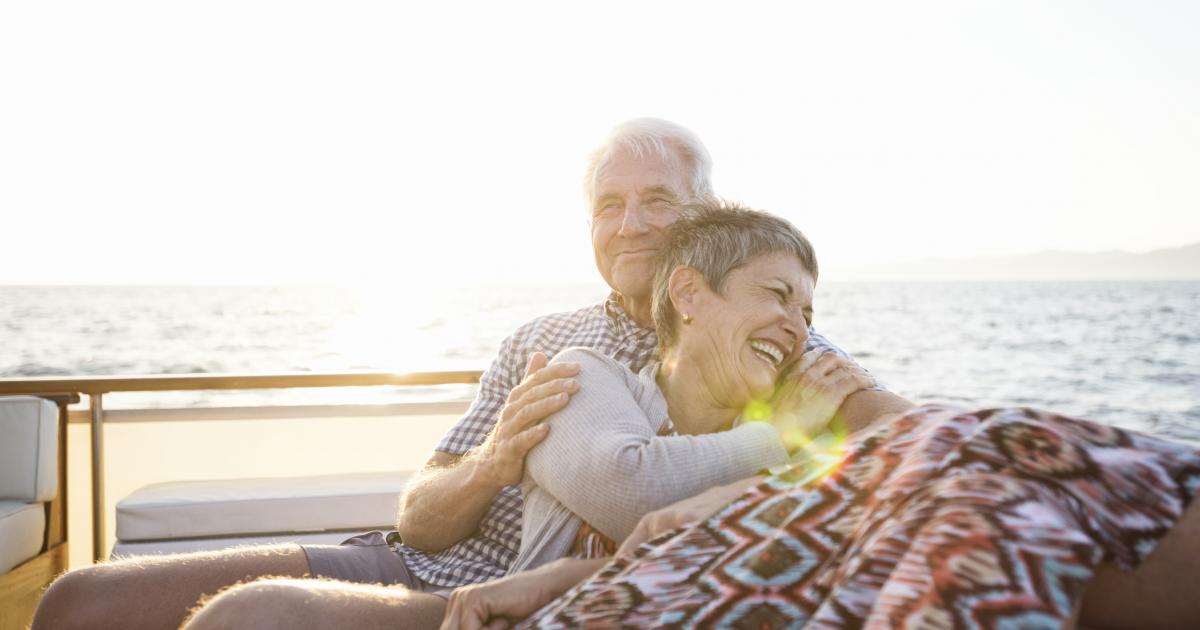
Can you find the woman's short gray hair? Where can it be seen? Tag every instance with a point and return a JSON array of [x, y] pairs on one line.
[[715, 237], [653, 136]]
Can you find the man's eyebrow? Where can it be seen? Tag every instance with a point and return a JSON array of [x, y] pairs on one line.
[[603, 198], [659, 190]]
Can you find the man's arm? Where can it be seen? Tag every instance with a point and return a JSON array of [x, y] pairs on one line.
[[824, 381], [861, 409], [451, 495], [446, 502], [690, 510], [866, 408]]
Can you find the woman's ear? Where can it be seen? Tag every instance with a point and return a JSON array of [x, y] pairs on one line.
[[686, 288]]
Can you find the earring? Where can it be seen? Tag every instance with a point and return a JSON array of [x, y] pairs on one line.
[[687, 319]]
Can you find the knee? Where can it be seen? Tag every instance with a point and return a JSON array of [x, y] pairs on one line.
[[72, 601], [262, 604]]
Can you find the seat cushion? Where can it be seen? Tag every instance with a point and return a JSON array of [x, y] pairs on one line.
[[22, 526], [28, 448], [248, 507]]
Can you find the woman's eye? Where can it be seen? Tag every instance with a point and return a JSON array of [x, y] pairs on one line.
[[781, 294]]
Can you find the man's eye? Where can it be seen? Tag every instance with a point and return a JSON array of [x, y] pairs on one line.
[[781, 294]]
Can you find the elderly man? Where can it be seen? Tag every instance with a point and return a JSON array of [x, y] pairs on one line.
[[460, 521]]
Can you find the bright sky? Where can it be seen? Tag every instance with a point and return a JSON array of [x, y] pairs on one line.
[[252, 141]]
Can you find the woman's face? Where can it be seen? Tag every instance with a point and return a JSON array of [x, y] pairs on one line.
[[743, 339]]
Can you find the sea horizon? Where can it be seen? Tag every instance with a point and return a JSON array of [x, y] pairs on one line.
[[1123, 350]]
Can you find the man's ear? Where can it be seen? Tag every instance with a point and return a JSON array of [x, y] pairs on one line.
[[686, 288]]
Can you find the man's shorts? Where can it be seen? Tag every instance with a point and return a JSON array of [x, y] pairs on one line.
[[366, 559]]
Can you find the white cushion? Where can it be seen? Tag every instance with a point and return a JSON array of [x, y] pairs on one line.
[[28, 448], [22, 526], [186, 545], [241, 507]]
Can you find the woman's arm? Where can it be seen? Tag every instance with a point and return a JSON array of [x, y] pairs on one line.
[[517, 596], [605, 463], [692, 510]]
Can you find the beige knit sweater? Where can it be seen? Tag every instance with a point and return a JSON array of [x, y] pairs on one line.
[[604, 464]]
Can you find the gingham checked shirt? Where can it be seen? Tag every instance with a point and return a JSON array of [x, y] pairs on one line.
[[605, 327]]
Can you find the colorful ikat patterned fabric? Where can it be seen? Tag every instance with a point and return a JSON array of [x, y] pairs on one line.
[[943, 518]]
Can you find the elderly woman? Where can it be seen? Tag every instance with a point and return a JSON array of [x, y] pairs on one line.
[[733, 309], [942, 517]]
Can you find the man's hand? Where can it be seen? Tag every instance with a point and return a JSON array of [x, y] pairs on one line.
[[501, 603], [543, 391], [680, 513], [810, 392], [449, 498]]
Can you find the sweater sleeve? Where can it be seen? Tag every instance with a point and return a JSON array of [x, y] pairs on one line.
[[603, 460]]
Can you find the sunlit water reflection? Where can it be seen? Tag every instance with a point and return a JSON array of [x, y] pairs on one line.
[[1126, 353]]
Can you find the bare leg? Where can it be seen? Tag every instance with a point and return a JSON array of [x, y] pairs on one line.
[[157, 591], [289, 604], [1161, 593]]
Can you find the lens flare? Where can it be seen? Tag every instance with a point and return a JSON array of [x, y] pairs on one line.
[[825, 454], [757, 411], [816, 455]]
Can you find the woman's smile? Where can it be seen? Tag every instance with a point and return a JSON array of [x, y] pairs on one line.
[[769, 352]]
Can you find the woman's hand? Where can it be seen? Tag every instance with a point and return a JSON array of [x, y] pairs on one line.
[[501, 603], [691, 510], [810, 393]]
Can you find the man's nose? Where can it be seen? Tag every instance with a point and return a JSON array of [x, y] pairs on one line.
[[634, 222]]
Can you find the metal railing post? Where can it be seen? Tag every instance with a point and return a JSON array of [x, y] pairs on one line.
[[98, 522]]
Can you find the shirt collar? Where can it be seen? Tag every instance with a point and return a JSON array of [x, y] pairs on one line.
[[620, 320]]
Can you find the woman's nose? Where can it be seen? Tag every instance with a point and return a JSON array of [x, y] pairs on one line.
[[795, 325]]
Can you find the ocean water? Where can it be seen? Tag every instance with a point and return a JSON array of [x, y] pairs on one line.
[[1125, 353]]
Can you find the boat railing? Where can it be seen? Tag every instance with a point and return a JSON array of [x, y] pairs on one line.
[[96, 387]]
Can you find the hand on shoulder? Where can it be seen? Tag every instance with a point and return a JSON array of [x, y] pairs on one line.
[[546, 388]]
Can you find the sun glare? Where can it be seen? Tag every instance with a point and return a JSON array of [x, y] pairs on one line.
[[388, 331]]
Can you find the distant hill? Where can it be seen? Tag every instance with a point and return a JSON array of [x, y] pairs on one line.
[[1176, 263]]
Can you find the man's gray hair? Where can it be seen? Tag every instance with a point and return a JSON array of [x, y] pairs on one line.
[[653, 136], [715, 237]]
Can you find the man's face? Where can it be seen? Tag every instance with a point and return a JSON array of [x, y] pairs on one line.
[[635, 198]]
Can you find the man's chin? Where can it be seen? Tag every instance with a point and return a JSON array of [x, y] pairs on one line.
[[630, 283]]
